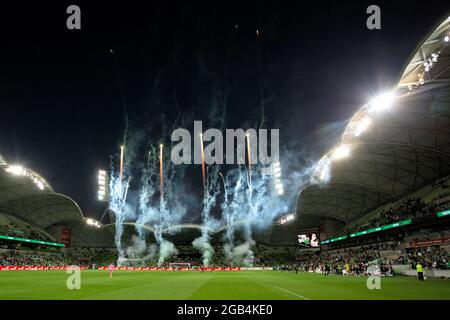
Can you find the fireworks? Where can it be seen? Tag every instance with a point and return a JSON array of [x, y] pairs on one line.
[[249, 162], [161, 168], [246, 201], [121, 167], [203, 162]]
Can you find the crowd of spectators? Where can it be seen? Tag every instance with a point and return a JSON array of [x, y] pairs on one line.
[[14, 231], [431, 258], [353, 261], [409, 208], [413, 207], [13, 258]]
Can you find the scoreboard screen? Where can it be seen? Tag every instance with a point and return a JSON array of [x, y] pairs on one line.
[[308, 239]]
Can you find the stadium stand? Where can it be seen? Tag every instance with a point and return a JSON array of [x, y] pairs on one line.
[[385, 203], [391, 185]]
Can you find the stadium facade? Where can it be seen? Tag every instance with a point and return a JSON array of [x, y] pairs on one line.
[[394, 145], [29, 205]]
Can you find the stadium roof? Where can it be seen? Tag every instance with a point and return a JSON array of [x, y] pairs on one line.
[[27, 195], [395, 144]]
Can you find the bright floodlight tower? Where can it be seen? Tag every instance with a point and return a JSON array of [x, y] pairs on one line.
[[276, 173], [103, 192], [27, 196], [395, 144]]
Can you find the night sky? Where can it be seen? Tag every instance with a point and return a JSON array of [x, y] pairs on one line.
[[61, 107]]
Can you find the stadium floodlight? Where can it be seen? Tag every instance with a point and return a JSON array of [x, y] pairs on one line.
[[93, 222], [102, 192], [324, 174], [16, 170], [286, 219], [322, 170], [276, 172], [362, 126], [40, 185], [340, 152], [382, 103]]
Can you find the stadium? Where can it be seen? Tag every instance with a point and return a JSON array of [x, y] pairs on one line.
[[374, 214]]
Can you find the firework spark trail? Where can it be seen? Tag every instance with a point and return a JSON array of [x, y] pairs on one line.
[[147, 191], [202, 243], [225, 213], [245, 210], [203, 165], [121, 168], [231, 209], [146, 212], [117, 204], [261, 77], [212, 190], [249, 152], [248, 203], [157, 213], [161, 173]]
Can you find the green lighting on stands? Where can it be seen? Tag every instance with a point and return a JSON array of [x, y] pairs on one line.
[[334, 240], [388, 226], [443, 213], [32, 241]]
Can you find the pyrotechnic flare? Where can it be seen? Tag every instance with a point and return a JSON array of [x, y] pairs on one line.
[[223, 179], [161, 175], [249, 161], [203, 163], [261, 77], [121, 168]]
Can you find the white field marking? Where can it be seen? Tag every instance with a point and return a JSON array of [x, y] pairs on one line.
[[302, 297]]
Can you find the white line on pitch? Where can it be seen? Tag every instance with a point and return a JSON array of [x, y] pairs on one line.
[[302, 297]]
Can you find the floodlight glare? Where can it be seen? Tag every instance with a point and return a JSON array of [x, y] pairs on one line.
[[382, 102], [324, 174], [340, 152], [286, 219], [362, 126], [102, 192], [16, 170], [40, 185]]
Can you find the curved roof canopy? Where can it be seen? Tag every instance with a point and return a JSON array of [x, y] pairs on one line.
[[393, 145], [16, 181], [27, 195]]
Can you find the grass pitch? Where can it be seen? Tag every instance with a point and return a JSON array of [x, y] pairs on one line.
[[241, 285]]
